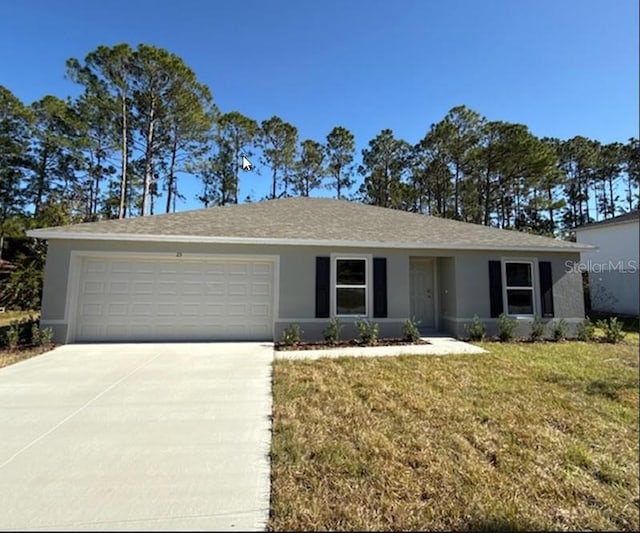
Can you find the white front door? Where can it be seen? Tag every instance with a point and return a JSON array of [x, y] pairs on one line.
[[421, 292], [152, 299]]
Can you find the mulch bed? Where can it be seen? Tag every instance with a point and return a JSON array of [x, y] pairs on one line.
[[9, 357], [344, 344]]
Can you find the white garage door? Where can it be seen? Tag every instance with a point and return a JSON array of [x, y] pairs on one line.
[[133, 299]]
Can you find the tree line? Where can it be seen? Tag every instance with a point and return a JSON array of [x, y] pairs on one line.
[[143, 120]]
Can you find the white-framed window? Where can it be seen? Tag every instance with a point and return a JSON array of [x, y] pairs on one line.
[[351, 285], [519, 287]]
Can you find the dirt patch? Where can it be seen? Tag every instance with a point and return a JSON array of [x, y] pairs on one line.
[[9, 357]]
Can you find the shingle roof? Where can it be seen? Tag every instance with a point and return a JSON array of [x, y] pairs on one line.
[[632, 216], [309, 221]]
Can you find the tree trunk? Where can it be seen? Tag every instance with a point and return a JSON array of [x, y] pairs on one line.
[[456, 192], [236, 170], [273, 186], [124, 159], [96, 192], [612, 205], [42, 175], [171, 184], [148, 158], [487, 198], [550, 194]]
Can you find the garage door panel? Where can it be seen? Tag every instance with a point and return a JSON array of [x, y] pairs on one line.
[[216, 287], [262, 269], [139, 309], [120, 267], [119, 287], [93, 287], [259, 288], [142, 287], [212, 269], [238, 289], [190, 310], [192, 288], [92, 309], [238, 269], [146, 300], [260, 310], [118, 309], [214, 310]]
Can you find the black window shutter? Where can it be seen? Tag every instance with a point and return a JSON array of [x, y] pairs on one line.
[[495, 288], [546, 288], [323, 290], [380, 287]]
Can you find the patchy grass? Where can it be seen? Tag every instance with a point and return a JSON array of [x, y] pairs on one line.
[[8, 317], [9, 357], [527, 437]]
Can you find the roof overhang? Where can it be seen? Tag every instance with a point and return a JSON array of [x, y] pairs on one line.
[[135, 237], [605, 224]]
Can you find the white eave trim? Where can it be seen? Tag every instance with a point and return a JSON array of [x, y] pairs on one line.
[[606, 224], [45, 234]]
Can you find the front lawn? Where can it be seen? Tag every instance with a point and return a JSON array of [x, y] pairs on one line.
[[529, 436]]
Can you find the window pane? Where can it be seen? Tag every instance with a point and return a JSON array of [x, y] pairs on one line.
[[518, 274], [350, 302], [350, 272], [519, 302]]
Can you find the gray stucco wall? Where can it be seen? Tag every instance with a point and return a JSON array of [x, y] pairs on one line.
[[472, 290], [447, 287], [296, 297], [462, 277]]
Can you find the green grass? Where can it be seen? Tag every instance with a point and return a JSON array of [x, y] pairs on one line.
[[530, 436]]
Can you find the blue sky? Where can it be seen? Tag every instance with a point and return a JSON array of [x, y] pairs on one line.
[[562, 67]]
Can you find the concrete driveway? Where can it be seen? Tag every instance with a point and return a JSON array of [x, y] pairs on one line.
[[137, 437]]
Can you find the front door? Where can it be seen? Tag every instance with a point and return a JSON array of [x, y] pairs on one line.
[[421, 290]]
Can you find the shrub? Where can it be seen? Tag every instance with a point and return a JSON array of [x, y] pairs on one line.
[[410, 332], [41, 337], [560, 330], [291, 335], [586, 331], [368, 332], [12, 336], [476, 329], [506, 327], [332, 332], [537, 329], [612, 330]]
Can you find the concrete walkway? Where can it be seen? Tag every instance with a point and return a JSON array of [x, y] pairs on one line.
[[436, 346], [137, 437]]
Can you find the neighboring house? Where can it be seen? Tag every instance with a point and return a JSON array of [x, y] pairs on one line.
[[247, 271], [614, 267]]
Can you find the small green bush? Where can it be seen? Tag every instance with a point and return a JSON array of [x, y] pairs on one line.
[[332, 332], [586, 331], [612, 329], [410, 332], [41, 337], [537, 329], [560, 330], [291, 335], [368, 332], [506, 327], [476, 329], [12, 336]]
